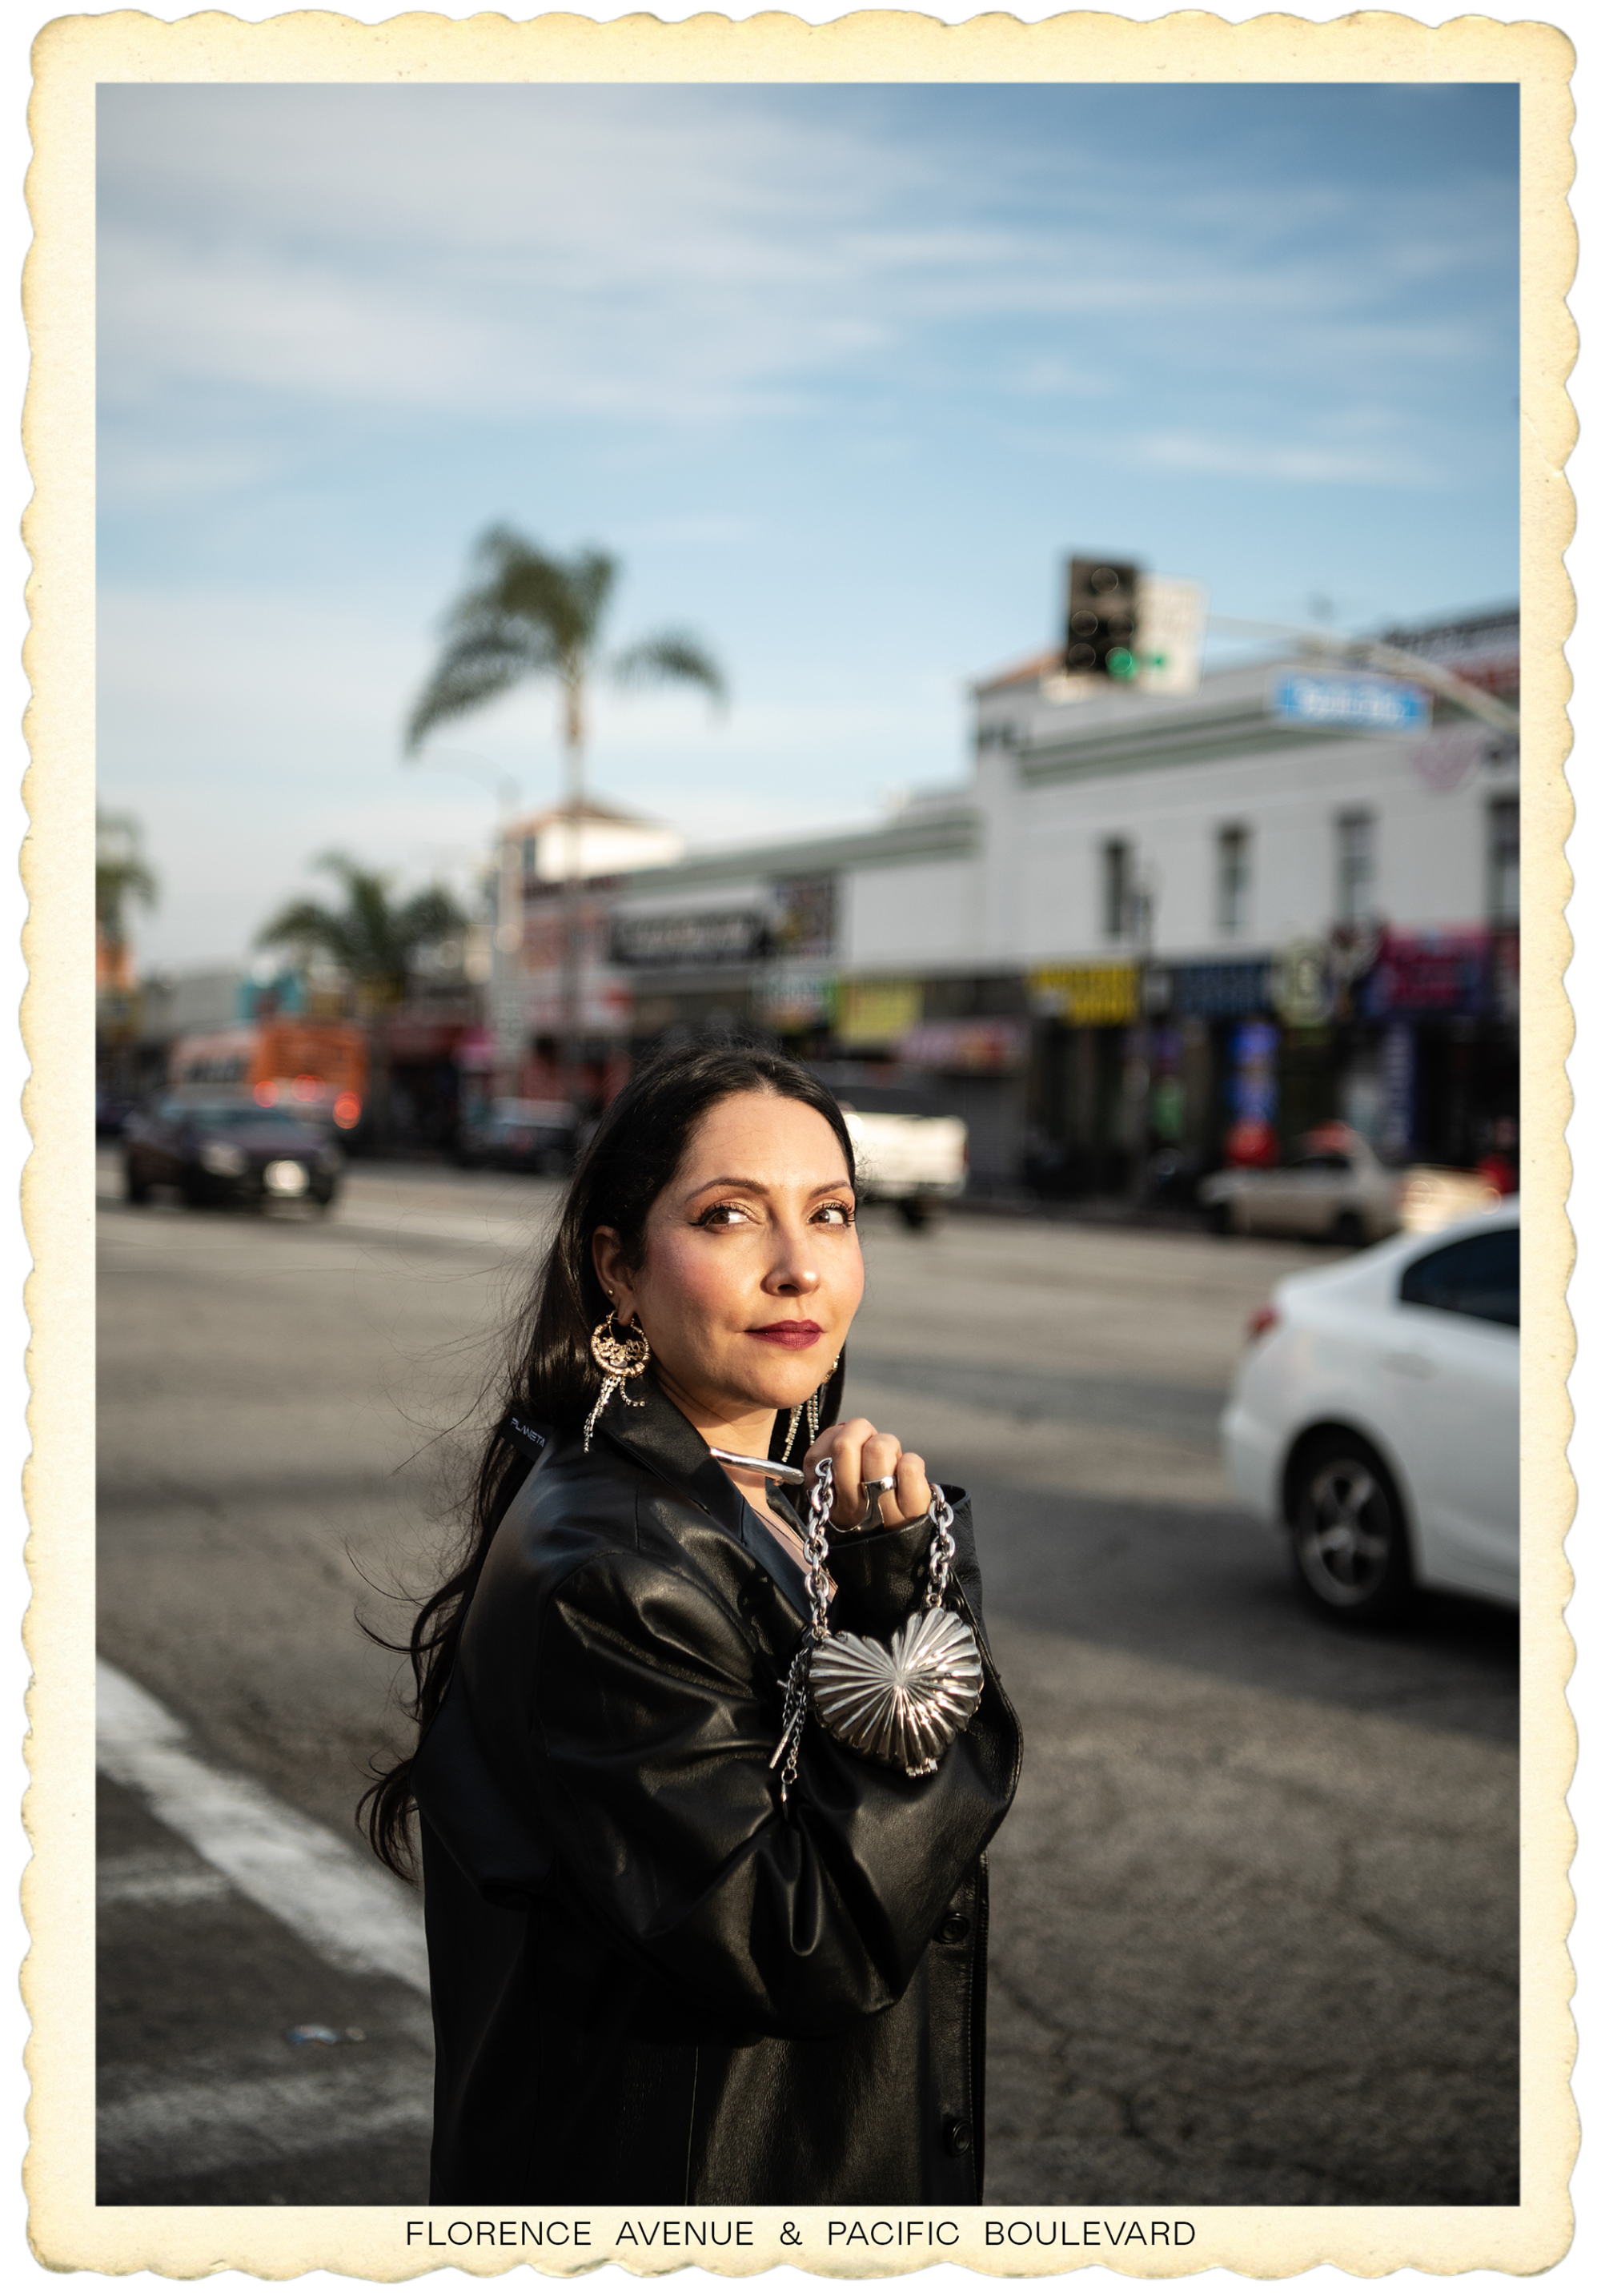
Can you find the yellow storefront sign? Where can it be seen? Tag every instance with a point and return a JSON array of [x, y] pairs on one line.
[[877, 1013], [1086, 996]]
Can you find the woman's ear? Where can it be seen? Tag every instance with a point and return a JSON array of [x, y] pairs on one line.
[[612, 1272]]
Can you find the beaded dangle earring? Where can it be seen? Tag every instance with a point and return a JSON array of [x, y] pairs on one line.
[[813, 1409], [622, 1355]]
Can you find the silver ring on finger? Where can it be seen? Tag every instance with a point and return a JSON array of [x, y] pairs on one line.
[[877, 1488]]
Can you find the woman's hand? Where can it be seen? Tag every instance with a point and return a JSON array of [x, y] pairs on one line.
[[859, 1452]]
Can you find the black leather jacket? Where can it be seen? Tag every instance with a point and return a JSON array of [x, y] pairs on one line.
[[652, 1984]]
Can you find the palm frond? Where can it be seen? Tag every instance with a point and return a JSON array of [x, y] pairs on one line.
[[432, 914], [528, 615], [121, 873], [672, 657], [307, 924], [467, 675], [373, 938]]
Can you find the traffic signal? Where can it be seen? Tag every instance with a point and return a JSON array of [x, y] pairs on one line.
[[1103, 617]]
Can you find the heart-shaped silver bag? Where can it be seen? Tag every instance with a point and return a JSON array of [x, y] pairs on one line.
[[900, 1702]]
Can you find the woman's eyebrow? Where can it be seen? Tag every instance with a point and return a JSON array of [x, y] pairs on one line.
[[765, 1187]]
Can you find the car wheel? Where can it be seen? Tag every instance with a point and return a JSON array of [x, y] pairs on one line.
[[1347, 1533], [1219, 1219], [1347, 1230], [135, 1187], [916, 1213]]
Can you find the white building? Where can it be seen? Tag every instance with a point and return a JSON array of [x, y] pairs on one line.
[[1289, 895], [599, 846]]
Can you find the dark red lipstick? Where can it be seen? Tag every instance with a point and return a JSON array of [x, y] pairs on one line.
[[789, 1335]]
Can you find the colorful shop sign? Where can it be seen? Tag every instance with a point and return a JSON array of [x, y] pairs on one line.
[[967, 1047], [720, 937], [1302, 990], [1086, 996], [793, 998], [1254, 1095], [1421, 976], [803, 916], [1229, 990], [877, 1013]]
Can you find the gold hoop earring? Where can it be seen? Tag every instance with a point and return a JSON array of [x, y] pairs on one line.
[[622, 1355]]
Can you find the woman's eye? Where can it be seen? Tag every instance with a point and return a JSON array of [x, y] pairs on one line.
[[836, 1215], [721, 1216]]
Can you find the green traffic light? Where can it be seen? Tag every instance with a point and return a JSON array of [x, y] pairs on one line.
[[1121, 663]]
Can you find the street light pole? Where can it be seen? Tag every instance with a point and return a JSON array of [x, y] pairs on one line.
[[506, 1014], [1144, 921], [510, 1017], [571, 881]]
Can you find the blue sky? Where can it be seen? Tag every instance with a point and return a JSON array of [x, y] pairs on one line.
[[840, 373]]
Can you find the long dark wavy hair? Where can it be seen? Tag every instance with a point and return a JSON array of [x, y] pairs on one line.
[[550, 1375]]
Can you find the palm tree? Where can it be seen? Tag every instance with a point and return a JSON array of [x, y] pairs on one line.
[[371, 937], [375, 941], [121, 875], [534, 616]]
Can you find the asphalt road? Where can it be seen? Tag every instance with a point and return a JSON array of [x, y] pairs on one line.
[[1255, 1926]]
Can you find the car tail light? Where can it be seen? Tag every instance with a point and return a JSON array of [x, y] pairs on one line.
[[1265, 1320]]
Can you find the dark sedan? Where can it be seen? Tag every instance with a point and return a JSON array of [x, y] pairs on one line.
[[111, 1112], [520, 1136], [222, 1152]]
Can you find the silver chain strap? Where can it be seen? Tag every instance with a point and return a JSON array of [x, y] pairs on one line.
[[942, 1552], [815, 1548]]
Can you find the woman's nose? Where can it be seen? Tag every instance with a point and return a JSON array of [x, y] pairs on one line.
[[790, 1274]]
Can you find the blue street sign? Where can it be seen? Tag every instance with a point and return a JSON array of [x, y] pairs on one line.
[[1374, 705]]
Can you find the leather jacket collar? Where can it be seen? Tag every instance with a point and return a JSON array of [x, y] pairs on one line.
[[654, 1431]]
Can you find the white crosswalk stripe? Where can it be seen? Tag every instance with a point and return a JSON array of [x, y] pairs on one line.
[[354, 1916], [155, 1881], [206, 2123]]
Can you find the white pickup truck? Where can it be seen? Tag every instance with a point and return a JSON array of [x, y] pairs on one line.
[[913, 1161]]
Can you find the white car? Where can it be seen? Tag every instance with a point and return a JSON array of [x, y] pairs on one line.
[[1376, 1413], [1334, 1188]]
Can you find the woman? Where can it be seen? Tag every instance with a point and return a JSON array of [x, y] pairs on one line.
[[666, 1966]]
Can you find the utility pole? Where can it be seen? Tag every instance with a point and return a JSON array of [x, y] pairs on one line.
[[509, 1018], [573, 884], [1144, 904], [505, 998]]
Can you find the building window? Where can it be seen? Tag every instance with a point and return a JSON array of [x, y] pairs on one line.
[[1502, 861], [1234, 878], [1354, 870], [1117, 889]]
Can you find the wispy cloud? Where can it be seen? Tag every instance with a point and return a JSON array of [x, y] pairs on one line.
[[1302, 463], [840, 372], [666, 255]]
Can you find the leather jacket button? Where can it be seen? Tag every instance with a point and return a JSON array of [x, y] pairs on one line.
[[958, 2136], [954, 1929]]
